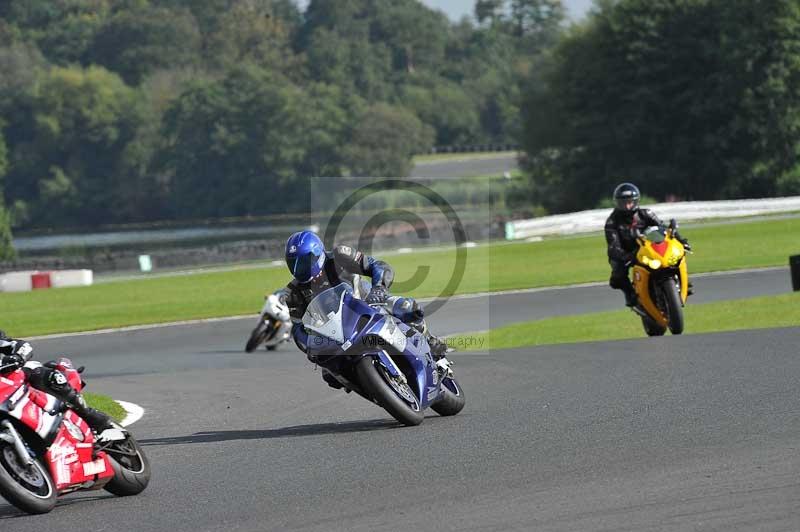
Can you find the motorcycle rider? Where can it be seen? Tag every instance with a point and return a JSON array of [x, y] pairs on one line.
[[15, 353], [621, 229], [314, 270]]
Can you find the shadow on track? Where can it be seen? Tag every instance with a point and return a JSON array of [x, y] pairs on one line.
[[10, 512], [298, 430]]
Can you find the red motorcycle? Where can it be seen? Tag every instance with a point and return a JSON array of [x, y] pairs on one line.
[[47, 450]]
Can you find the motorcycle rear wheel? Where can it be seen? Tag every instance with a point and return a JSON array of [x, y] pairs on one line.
[[374, 379], [131, 468], [31, 489]]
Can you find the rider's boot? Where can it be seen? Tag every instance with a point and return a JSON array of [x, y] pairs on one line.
[[97, 420], [630, 298], [437, 345]]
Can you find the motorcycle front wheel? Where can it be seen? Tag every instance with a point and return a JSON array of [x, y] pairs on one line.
[[29, 488], [395, 397], [674, 308], [259, 334], [131, 468]]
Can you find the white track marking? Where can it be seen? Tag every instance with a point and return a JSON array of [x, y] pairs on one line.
[[135, 412]]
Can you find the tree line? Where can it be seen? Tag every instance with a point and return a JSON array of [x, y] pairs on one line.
[[115, 111], [691, 99], [131, 110]]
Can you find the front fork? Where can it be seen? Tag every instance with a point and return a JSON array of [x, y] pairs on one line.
[[12, 437]]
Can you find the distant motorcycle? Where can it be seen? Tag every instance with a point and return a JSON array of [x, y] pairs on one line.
[[273, 327], [661, 280], [369, 351], [47, 450]]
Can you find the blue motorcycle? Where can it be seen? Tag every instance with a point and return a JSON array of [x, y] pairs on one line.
[[369, 351]]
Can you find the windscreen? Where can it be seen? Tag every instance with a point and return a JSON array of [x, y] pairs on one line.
[[654, 234], [324, 314]]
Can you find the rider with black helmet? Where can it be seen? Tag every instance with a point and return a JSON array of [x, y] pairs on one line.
[[621, 229], [15, 354]]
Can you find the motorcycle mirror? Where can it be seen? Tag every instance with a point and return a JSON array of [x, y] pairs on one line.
[[673, 224], [80, 369]]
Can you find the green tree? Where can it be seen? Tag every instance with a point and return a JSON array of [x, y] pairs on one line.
[[67, 165], [136, 42], [6, 246], [232, 146], [697, 98], [384, 141]]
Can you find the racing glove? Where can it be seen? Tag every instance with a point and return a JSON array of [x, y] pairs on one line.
[[11, 362], [378, 295]]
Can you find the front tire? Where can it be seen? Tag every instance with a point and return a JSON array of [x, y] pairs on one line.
[[258, 335], [29, 488], [674, 307], [651, 328], [375, 380], [452, 400], [131, 468]]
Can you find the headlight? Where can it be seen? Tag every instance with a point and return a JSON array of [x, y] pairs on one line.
[[655, 264]]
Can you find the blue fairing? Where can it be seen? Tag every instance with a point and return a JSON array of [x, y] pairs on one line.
[[368, 331]]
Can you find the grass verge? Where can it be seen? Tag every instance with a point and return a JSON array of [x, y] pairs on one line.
[[750, 313], [496, 267], [105, 404]]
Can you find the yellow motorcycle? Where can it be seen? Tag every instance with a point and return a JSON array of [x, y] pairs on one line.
[[661, 280]]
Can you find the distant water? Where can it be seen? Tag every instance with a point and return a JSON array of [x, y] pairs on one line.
[[150, 236]]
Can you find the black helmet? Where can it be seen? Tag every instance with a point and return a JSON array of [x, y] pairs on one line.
[[626, 197]]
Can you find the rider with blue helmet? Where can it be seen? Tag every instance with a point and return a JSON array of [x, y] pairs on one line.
[[314, 269]]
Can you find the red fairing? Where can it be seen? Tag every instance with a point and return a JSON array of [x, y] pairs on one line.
[[660, 247], [70, 455], [10, 383]]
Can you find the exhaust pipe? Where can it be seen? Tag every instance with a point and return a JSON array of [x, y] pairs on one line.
[[14, 438]]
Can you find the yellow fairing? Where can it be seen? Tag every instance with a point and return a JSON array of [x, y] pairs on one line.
[[684, 274], [641, 283]]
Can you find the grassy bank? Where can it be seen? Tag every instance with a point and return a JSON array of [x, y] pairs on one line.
[[494, 267], [105, 404], [751, 313]]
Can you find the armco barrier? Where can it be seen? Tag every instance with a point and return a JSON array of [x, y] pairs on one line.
[[593, 220], [33, 280]]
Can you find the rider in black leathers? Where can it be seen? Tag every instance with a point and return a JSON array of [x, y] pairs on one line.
[[621, 231], [15, 353]]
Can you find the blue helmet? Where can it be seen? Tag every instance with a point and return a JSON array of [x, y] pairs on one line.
[[305, 255]]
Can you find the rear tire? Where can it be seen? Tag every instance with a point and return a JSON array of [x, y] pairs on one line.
[[31, 489], [672, 300], [131, 468], [371, 378], [452, 400]]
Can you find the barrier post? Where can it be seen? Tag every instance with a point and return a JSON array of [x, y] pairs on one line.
[[794, 268]]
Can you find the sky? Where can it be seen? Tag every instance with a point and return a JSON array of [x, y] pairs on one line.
[[455, 9]]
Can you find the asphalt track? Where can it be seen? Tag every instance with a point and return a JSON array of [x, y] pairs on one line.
[[699, 432]]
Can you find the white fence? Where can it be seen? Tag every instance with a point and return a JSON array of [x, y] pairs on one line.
[[588, 221], [34, 280]]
